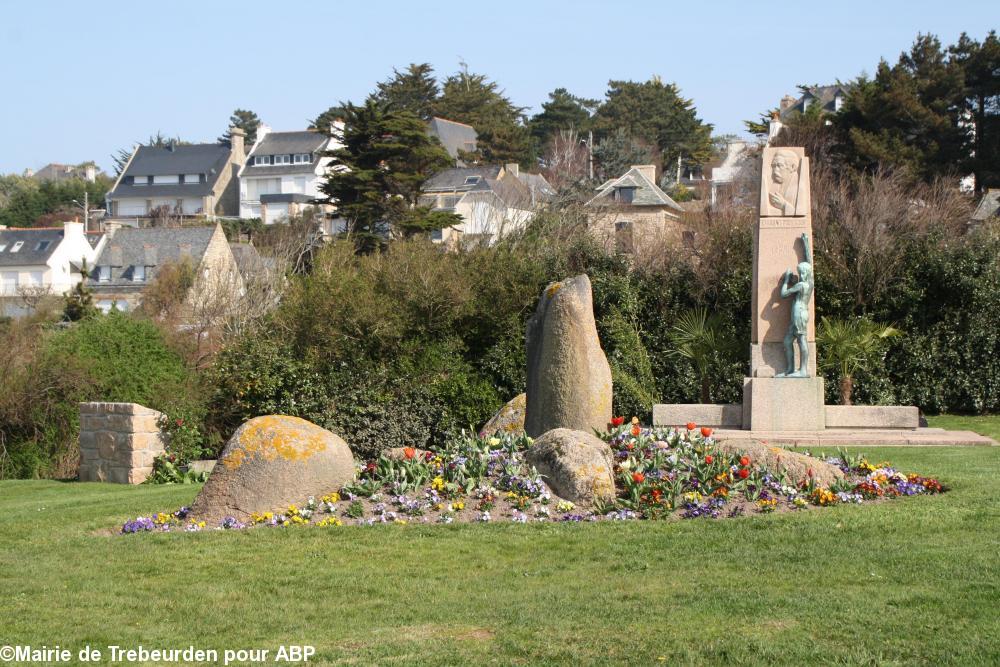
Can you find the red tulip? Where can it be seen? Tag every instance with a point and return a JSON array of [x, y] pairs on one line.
[[636, 430], [709, 459], [744, 461], [617, 421], [428, 456], [706, 431], [409, 453], [638, 477], [691, 426], [743, 473]]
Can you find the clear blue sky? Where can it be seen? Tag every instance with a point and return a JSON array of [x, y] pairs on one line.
[[82, 79]]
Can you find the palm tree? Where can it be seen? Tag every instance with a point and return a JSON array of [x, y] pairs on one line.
[[849, 346], [698, 336]]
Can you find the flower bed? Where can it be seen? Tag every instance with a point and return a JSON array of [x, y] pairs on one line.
[[659, 474]]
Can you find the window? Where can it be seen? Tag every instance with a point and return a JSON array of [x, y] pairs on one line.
[[8, 282], [42, 246], [262, 186], [17, 246], [192, 178], [140, 180], [35, 279], [625, 195], [138, 274], [3, 246], [104, 274], [471, 180], [262, 159], [303, 158], [170, 179], [282, 159]]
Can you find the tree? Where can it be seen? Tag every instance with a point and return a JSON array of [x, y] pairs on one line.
[[374, 180], [699, 337], [980, 62], [79, 301], [563, 111], [325, 120], [618, 151], [415, 90], [475, 100], [28, 200], [247, 121], [655, 113], [909, 116], [848, 346]]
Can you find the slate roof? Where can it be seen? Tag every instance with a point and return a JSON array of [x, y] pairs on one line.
[[456, 177], [453, 136], [647, 193], [989, 205], [151, 247], [208, 159], [286, 143], [29, 253], [825, 96], [514, 191]]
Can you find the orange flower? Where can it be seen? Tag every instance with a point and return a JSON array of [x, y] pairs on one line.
[[743, 473], [638, 477], [636, 430], [744, 461], [409, 453], [706, 431], [709, 459], [691, 426]]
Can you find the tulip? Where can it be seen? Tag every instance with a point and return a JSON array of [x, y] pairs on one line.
[[409, 453], [691, 426], [709, 459], [706, 431], [638, 477], [617, 421], [743, 473], [636, 430]]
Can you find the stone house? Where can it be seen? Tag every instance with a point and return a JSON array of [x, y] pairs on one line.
[[492, 201], [283, 174], [132, 258], [55, 171], [631, 208], [186, 180], [41, 261]]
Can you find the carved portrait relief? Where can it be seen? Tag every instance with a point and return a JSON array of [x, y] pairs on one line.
[[784, 186]]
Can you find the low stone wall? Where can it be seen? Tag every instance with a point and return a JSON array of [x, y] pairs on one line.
[[118, 442]]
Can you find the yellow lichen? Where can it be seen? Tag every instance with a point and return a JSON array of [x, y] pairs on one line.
[[553, 288], [276, 437]]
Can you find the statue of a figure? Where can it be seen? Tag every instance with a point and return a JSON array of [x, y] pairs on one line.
[[783, 188], [799, 324]]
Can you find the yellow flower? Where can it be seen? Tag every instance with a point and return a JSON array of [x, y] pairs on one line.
[[330, 521], [331, 498], [437, 483], [494, 441]]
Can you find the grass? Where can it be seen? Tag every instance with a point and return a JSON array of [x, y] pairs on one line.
[[913, 581], [988, 425]]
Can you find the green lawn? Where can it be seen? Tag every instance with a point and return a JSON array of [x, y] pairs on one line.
[[988, 425], [912, 581]]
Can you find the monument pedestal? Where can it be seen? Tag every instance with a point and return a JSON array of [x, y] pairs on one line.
[[783, 404]]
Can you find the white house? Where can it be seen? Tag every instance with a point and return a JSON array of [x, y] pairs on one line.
[[36, 262], [187, 179], [283, 173], [492, 200]]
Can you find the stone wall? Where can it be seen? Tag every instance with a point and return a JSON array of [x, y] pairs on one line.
[[118, 442]]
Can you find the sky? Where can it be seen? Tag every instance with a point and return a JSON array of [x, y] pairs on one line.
[[81, 80]]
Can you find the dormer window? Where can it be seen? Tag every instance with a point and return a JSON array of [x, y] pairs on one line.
[[261, 160], [17, 246], [104, 274], [192, 178], [302, 158], [624, 195], [282, 159], [140, 180], [838, 101], [138, 274]]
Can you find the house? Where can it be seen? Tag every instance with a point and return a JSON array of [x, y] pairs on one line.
[[182, 180], [632, 207], [827, 99], [54, 171], [132, 258], [283, 174], [492, 200], [454, 136], [37, 262]]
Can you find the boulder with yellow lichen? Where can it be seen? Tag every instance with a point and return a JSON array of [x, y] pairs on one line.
[[273, 461]]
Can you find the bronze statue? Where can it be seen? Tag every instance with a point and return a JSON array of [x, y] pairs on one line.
[[799, 325]]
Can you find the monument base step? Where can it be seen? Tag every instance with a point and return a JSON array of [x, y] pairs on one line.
[[834, 437]]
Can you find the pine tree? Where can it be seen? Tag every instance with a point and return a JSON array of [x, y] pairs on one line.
[[245, 120], [79, 302], [374, 180], [563, 111], [414, 90], [980, 62], [475, 100]]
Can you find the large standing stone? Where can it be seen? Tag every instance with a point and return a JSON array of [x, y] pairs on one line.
[[270, 463], [509, 420], [569, 379], [577, 466]]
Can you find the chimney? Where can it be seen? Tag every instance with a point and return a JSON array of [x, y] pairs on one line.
[[236, 137], [774, 127], [90, 173], [786, 102], [73, 229], [513, 168], [647, 170]]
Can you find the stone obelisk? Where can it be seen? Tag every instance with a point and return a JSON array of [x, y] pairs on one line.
[[770, 402]]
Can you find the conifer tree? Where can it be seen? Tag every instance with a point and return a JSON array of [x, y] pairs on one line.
[[414, 90]]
